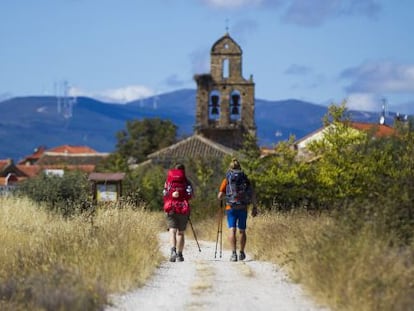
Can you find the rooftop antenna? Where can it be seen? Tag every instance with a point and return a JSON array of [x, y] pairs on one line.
[[155, 101], [384, 111], [385, 103], [64, 101]]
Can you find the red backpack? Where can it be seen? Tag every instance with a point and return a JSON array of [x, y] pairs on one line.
[[177, 192]]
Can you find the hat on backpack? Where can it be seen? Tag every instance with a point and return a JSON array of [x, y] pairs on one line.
[[235, 164], [179, 166]]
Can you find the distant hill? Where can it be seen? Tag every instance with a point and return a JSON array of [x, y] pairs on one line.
[[28, 122]]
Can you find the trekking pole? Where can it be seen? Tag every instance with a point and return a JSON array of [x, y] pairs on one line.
[[219, 230], [195, 237], [221, 227]]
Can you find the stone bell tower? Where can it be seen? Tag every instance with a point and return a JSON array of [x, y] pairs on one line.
[[225, 100]]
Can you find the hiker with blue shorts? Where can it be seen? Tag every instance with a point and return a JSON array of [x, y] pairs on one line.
[[238, 193]]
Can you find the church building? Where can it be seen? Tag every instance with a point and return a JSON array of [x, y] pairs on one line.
[[225, 100], [224, 108]]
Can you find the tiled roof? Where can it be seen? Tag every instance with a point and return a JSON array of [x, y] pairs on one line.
[[74, 159], [7, 166], [29, 170], [381, 130], [68, 149], [33, 170], [34, 156], [5, 163], [192, 147]]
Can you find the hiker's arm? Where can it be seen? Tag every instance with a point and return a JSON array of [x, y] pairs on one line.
[[222, 189]]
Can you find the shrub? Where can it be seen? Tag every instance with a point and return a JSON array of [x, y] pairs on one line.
[[67, 194]]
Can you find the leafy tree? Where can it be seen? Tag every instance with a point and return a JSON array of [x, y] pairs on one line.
[[281, 181], [206, 175], [367, 179], [250, 154], [143, 137], [139, 139], [145, 184]]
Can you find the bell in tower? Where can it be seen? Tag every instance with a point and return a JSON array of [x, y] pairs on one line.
[[214, 104], [235, 98]]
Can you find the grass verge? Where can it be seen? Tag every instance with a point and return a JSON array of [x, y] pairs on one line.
[[51, 263]]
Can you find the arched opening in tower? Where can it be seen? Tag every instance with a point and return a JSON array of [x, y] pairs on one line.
[[214, 106], [235, 106]]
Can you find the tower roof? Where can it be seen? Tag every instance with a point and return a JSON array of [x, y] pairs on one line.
[[226, 45]]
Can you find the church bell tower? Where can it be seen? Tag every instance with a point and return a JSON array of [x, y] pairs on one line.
[[225, 100]]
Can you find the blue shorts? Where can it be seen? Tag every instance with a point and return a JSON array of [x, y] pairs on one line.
[[237, 218]]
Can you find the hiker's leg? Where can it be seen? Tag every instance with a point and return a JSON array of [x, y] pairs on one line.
[[173, 237], [233, 239], [231, 223], [180, 241], [242, 228], [243, 239]]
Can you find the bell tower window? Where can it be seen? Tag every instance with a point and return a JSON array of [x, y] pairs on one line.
[[226, 68], [235, 105], [214, 106]]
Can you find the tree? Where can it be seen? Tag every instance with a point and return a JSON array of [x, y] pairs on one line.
[[143, 137], [137, 141]]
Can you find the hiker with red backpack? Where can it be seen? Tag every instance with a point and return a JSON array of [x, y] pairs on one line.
[[238, 192], [177, 193]]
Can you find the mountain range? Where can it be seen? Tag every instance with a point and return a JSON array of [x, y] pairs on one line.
[[29, 122]]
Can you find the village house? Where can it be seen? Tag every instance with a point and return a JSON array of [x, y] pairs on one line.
[[376, 130], [50, 161]]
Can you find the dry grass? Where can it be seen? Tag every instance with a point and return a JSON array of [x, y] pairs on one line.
[[344, 270], [51, 263]]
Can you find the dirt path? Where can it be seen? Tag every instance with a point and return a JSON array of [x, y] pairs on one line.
[[203, 282]]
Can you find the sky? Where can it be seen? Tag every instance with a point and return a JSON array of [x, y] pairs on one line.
[[320, 51]]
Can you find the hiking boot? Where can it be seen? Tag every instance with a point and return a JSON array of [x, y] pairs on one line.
[[242, 255], [180, 257], [233, 257], [173, 255]]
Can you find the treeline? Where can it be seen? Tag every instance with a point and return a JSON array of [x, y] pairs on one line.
[[351, 174]]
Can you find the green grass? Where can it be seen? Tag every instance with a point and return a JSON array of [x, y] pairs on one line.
[[51, 263]]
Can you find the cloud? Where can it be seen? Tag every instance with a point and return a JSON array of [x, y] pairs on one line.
[[316, 12], [243, 27], [233, 4], [309, 13], [364, 102], [119, 95], [174, 81], [5, 96], [377, 77], [296, 69]]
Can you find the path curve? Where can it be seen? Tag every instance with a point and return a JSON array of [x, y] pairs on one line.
[[203, 282]]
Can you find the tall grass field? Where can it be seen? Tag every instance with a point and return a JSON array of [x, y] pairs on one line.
[[48, 262], [51, 263]]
